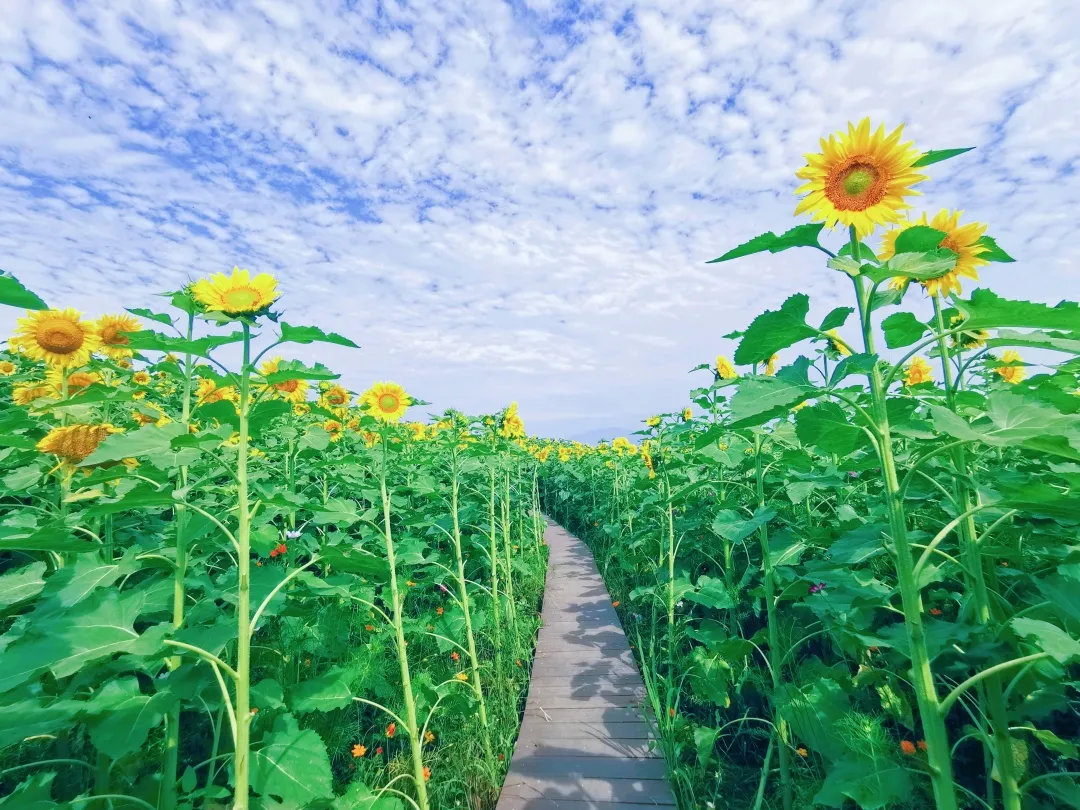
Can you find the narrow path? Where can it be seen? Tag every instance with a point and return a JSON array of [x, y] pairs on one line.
[[585, 742]]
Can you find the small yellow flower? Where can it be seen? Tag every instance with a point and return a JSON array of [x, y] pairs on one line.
[[837, 343], [7, 368], [461, 676], [917, 372], [141, 378], [653, 421], [238, 294], [724, 369], [512, 424], [208, 392], [687, 414], [429, 737], [1010, 374], [334, 428]]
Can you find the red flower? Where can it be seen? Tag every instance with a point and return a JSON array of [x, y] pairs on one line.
[[935, 611], [279, 549], [921, 744], [427, 773], [671, 711], [378, 751], [454, 656], [390, 729], [908, 747]]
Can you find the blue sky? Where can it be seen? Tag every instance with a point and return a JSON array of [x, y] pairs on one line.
[[511, 200]]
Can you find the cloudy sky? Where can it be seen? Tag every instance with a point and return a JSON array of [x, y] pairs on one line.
[[511, 200]]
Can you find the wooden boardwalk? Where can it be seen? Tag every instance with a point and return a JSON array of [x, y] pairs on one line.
[[586, 742]]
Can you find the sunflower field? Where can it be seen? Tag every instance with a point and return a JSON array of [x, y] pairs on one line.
[[852, 576], [226, 581]]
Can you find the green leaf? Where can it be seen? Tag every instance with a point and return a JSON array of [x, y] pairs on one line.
[[836, 318], [938, 155], [29, 718], [22, 583], [14, 294], [775, 330], [33, 793], [918, 239], [986, 309], [712, 593], [993, 252], [859, 545], [55, 538], [919, 266], [871, 782], [311, 334], [735, 527], [852, 364], [902, 329], [760, 399], [322, 694], [1052, 742], [828, 427], [799, 236], [200, 347], [813, 711], [149, 314], [295, 370], [360, 797], [292, 765], [125, 717], [1049, 638], [356, 561], [147, 441]]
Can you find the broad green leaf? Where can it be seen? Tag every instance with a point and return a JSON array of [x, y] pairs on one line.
[[322, 694], [360, 797], [312, 334], [712, 593], [22, 583], [147, 340], [48, 538], [986, 309], [14, 294], [902, 329], [33, 793], [295, 370], [836, 318], [870, 782], [993, 252], [28, 718], [861, 364], [813, 711], [147, 441], [356, 561], [859, 545], [937, 155], [1068, 342], [149, 314], [919, 266], [775, 330], [1052, 742], [799, 236], [828, 427], [760, 399], [124, 717], [735, 527], [918, 239], [1049, 638], [291, 765], [785, 548]]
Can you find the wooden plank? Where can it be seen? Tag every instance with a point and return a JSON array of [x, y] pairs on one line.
[[641, 791], [516, 803], [588, 747], [600, 767]]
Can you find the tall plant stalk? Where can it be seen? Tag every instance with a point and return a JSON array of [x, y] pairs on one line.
[[494, 559]]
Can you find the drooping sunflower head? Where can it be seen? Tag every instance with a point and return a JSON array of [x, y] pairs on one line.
[[236, 294], [334, 428], [687, 414], [76, 380], [57, 336], [653, 421], [724, 369], [334, 397], [963, 240], [770, 366], [386, 401], [859, 178], [25, 394], [114, 343], [209, 392], [836, 344], [73, 443], [972, 339]]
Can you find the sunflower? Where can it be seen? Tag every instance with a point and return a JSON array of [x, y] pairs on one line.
[[141, 378], [770, 366], [73, 443], [687, 414], [152, 416], [653, 421], [76, 380], [7, 368], [334, 397], [208, 392], [334, 428], [238, 294], [724, 369], [114, 344], [512, 424], [837, 344], [972, 339], [419, 430], [963, 240], [289, 390], [917, 372], [56, 336], [1011, 374], [26, 393], [386, 401], [859, 178]]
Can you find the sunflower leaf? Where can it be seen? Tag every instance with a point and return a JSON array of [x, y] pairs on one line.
[[918, 239], [312, 334], [14, 294], [295, 370], [993, 253], [836, 318], [799, 236], [986, 309], [149, 314], [938, 155], [919, 266], [201, 347], [772, 331], [902, 329]]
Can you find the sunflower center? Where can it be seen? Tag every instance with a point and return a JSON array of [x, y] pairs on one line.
[[60, 337], [855, 185], [388, 403], [241, 299], [112, 337], [288, 386]]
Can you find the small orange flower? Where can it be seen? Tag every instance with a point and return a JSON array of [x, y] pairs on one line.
[[921, 744], [378, 751], [616, 603], [258, 563], [935, 611], [908, 747], [429, 737], [410, 583], [454, 656], [517, 662], [391, 729], [802, 752], [461, 676], [254, 709], [427, 773], [358, 751], [369, 627], [439, 611], [502, 757], [671, 711]]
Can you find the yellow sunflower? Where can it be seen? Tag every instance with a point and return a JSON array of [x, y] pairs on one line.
[[917, 372], [25, 394], [113, 343], [7, 368], [334, 428], [687, 414], [653, 421], [56, 336], [386, 401], [724, 369], [770, 367], [76, 380], [73, 443], [1010, 374], [141, 378], [859, 178], [419, 430], [512, 424], [837, 343], [963, 240], [238, 294], [208, 392], [290, 390], [334, 397]]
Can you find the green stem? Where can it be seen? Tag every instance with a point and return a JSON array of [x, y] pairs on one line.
[[939, 761], [494, 554], [415, 741], [241, 757]]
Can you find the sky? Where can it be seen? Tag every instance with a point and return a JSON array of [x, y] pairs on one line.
[[512, 200]]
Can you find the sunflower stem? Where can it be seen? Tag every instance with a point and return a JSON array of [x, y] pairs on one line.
[[241, 757]]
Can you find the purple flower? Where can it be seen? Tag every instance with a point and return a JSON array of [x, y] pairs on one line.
[[817, 588], [852, 474], [442, 588]]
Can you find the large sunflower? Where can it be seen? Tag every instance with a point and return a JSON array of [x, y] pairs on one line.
[[386, 401], [289, 390], [963, 240], [74, 443], [56, 336], [859, 178], [238, 294], [113, 342]]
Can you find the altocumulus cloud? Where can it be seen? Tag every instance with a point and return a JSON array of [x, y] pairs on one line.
[[509, 199]]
